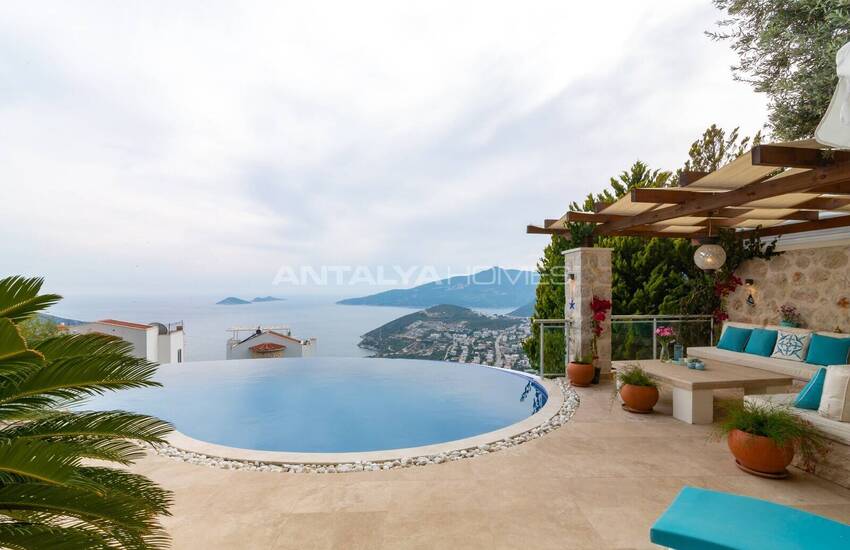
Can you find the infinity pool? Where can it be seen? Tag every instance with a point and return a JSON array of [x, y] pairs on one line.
[[332, 404]]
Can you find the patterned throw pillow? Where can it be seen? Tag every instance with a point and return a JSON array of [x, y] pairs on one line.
[[791, 346]]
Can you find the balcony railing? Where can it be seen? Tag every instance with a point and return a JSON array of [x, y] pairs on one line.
[[633, 336]]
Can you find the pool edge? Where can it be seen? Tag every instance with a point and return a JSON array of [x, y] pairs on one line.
[[554, 403]]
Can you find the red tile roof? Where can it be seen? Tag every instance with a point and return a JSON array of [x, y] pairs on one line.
[[267, 347], [284, 336], [125, 324]]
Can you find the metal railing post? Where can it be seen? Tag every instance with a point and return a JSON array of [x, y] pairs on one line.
[[542, 325], [654, 343]]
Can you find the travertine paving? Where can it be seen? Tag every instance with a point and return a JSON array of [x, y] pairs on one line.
[[598, 482]]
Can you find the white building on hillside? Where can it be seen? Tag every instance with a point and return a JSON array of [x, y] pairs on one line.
[[154, 341], [268, 343]]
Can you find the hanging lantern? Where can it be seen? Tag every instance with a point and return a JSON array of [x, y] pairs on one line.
[[709, 257]]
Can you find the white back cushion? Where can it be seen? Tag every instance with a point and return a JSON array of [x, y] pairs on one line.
[[835, 400]]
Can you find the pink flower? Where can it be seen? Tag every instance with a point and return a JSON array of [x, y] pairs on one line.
[[665, 332]]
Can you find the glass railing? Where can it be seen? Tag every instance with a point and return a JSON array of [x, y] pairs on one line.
[[634, 336]]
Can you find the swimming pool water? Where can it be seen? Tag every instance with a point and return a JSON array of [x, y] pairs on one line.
[[332, 404]]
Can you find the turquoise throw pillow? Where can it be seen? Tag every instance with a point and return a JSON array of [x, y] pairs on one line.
[[761, 342], [824, 350], [809, 396], [734, 338]]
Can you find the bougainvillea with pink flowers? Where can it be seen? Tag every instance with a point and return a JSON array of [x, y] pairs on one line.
[[600, 308]]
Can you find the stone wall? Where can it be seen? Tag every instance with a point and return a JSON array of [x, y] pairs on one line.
[[815, 280]]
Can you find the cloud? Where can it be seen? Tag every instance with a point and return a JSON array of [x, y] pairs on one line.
[[198, 147]]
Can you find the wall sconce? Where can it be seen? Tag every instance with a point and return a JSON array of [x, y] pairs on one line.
[[571, 303], [572, 276], [750, 300]]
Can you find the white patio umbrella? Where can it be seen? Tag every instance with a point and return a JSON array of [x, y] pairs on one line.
[[834, 129]]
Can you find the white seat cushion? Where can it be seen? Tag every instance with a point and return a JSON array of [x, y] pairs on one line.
[[831, 429], [796, 369]]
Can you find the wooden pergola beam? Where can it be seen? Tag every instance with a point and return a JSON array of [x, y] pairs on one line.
[[746, 212], [537, 230], [732, 218], [675, 196], [828, 223], [688, 177], [797, 157]]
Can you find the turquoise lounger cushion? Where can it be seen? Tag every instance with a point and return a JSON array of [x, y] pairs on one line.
[[809, 396], [825, 350], [734, 338], [699, 519], [761, 342]]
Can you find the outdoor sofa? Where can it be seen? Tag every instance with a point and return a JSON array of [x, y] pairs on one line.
[[800, 370]]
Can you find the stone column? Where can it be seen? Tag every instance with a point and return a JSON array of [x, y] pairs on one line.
[[590, 269]]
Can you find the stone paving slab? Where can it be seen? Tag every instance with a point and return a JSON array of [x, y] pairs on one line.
[[600, 481]]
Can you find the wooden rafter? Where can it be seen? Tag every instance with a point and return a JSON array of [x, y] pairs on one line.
[[828, 223], [690, 176], [797, 157], [730, 214]]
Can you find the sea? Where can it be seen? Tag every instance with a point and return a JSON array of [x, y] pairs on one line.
[[337, 328]]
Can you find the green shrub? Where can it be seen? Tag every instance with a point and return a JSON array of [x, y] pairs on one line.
[[633, 375]]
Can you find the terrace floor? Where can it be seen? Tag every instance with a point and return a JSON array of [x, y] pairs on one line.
[[598, 482]]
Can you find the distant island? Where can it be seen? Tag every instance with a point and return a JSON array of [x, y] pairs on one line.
[[234, 301], [491, 288], [452, 333], [267, 299]]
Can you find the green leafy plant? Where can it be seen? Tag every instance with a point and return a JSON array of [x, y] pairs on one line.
[[586, 359], [778, 424], [633, 375], [57, 487]]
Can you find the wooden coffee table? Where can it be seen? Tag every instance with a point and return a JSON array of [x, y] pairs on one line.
[[693, 390]]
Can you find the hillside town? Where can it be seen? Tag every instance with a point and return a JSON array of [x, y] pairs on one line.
[[450, 333]]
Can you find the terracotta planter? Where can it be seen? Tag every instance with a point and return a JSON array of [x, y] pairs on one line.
[[639, 398], [580, 374], [760, 455]]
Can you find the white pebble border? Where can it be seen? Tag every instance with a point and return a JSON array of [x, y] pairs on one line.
[[570, 404]]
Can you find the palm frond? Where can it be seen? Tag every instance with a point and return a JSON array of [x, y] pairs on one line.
[[68, 346], [32, 536], [16, 360], [75, 378], [149, 495], [38, 460], [113, 515], [94, 424], [20, 299]]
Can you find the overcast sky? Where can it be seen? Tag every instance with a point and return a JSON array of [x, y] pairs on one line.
[[200, 147]]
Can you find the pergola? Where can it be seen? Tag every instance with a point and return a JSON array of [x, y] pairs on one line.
[[775, 189]]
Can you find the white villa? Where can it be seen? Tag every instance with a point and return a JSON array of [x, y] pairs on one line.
[[266, 343], [152, 341]]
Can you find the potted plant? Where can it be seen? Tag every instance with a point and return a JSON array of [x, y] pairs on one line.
[[789, 316], [599, 307], [580, 371], [637, 389], [764, 439], [665, 335]]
